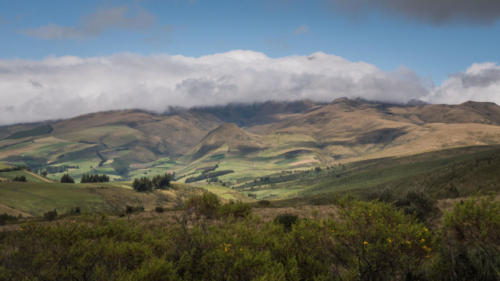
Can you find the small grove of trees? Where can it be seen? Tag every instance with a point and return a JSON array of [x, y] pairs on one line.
[[94, 178], [66, 178], [145, 184], [20, 178]]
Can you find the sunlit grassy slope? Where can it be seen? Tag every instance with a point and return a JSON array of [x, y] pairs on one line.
[[239, 144], [447, 173], [36, 198]]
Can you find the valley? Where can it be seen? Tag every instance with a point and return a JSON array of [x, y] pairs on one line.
[[235, 145], [288, 152]]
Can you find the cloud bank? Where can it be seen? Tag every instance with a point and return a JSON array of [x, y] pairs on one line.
[[433, 11], [103, 19], [62, 87], [480, 82]]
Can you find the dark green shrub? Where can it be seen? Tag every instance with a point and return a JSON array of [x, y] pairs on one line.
[[418, 204], [89, 178], [205, 204], [286, 220], [376, 241], [159, 209], [471, 242], [387, 196], [132, 209], [66, 178], [75, 211], [20, 179], [365, 241], [50, 215], [142, 184], [158, 182], [235, 210], [6, 218], [264, 203], [162, 181]]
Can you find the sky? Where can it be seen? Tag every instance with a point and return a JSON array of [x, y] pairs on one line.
[[59, 59]]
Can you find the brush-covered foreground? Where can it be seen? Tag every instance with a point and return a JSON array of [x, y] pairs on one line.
[[210, 241]]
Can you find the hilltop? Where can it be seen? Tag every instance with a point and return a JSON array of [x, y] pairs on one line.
[[250, 141]]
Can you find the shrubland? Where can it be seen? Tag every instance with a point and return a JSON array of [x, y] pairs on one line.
[[211, 240]]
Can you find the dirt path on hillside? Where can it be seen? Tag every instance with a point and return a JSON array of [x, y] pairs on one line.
[[38, 176]]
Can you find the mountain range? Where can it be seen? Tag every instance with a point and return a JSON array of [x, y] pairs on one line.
[[245, 141]]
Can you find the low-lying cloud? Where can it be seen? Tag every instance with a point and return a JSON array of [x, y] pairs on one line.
[[433, 11], [480, 82], [61, 87]]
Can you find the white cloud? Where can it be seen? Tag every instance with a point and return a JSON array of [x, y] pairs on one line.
[[480, 82], [61, 87], [102, 19]]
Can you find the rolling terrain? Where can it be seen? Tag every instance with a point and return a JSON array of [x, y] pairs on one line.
[[263, 151]]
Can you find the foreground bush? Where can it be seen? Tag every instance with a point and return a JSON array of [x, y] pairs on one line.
[[205, 204], [366, 241], [471, 241], [235, 210], [286, 220], [378, 242]]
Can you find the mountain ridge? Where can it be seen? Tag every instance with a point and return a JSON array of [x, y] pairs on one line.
[[277, 135]]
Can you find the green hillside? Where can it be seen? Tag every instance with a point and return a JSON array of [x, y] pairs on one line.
[[272, 150], [37, 198], [442, 174]]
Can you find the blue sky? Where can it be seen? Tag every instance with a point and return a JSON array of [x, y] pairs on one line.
[[277, 28], [59, 59]]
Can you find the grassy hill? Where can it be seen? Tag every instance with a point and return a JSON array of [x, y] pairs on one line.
[[251, 141], [37, 198], [443, 174]]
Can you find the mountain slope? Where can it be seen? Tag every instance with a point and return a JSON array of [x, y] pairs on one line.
[[234, 139], [253, 140]]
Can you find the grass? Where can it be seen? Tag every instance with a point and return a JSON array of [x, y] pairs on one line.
[[12, 174], [41, 130], [109, 135], [84, 166], [468, 170], [36, 199], [39, 198], [224, 192], [5, 166]]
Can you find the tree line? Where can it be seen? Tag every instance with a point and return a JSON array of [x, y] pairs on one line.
[[86, 178], [144, 184]]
